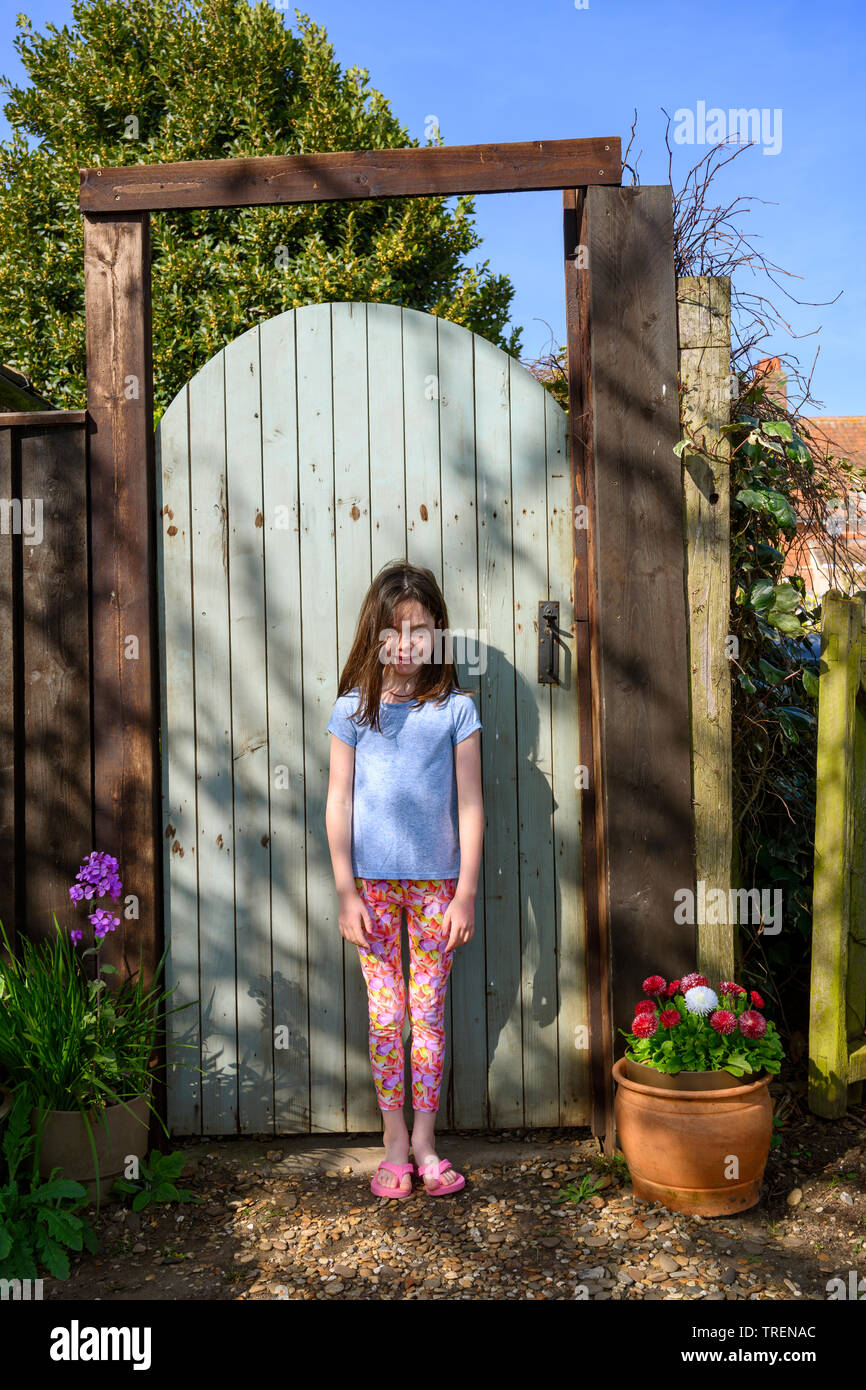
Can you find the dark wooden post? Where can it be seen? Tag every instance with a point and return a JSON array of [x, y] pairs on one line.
[[638, 841], [11, 835], [125, 656]]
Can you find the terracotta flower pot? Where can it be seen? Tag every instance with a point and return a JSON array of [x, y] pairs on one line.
[[681, 1080], [65, 1144], [680, 1145]]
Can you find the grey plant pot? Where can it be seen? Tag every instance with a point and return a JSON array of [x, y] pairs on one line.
[[65, 1144]]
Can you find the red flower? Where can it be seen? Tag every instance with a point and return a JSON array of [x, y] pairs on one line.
[[653, 984], [646, 1006], [673, 988], [644, 1025], [752, 1024], [669, 1018], [730, 987], [723, 1021], [756, 999], [692, 981]]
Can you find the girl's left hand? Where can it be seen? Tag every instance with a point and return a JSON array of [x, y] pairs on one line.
[[459, 920]]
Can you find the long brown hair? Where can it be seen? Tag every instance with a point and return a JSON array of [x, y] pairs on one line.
[[398, 582]]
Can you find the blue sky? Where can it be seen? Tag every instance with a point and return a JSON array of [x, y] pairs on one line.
[[501, 71]]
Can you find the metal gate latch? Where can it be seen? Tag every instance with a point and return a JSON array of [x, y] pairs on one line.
[[548, 646]]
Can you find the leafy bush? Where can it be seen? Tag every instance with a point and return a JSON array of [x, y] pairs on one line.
[[157, 81], [38, 1220]]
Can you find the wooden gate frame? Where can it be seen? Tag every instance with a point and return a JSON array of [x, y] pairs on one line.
[[631, 645]]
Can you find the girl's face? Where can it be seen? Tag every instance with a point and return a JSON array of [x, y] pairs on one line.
[[412, 645]]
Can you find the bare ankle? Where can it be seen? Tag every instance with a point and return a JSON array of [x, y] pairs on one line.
[[395, 1135]]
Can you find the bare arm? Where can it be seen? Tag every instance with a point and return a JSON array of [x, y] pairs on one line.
[[338, 825], [338, 812], [470, 813]]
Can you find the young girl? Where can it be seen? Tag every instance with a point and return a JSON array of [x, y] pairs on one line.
[[405, 822]]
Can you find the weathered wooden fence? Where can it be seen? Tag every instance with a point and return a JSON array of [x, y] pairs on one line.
[[837, 1025], [46, 804]]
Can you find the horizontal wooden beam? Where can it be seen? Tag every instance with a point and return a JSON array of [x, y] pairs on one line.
[[344, 174], [17, 419], [856, 1062]]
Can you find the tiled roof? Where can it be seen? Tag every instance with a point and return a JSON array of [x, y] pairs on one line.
[[843, 436]]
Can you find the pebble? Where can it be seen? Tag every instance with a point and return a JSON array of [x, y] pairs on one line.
[[795, 1197], [664, 1261]]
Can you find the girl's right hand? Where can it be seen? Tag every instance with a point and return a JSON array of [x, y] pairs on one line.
[[355, 919]]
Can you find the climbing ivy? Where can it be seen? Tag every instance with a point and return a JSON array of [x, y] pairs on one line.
[[778, 472]]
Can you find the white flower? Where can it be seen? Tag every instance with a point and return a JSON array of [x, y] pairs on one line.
[[701, 1000]]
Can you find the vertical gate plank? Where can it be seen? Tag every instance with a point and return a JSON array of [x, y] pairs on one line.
[[421, 435], [319, 628], [352, 568], [249, 715], [177, 680], [498, 715], [285, 723], [209, 499], [10, 846], [536, 893], [387, 454], [572, 1002], [642, 652], [389, 538], [467, 1028], [421, 484]]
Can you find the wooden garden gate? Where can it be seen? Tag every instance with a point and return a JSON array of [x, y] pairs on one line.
[[309, 452], [630, 667]]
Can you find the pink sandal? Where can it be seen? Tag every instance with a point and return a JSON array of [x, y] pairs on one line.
[[380, 1190], [435, 1170]]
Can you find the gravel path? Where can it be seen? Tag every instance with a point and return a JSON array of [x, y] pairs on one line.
[[543, 1215]]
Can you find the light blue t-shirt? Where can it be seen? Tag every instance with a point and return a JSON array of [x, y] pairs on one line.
[[404, 801]]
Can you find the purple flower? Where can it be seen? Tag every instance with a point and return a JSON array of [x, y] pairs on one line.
[[76, 892], [76, 934], [103, 922], [98, 873]]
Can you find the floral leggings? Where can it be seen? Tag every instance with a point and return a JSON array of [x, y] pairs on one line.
[[425, 901]]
